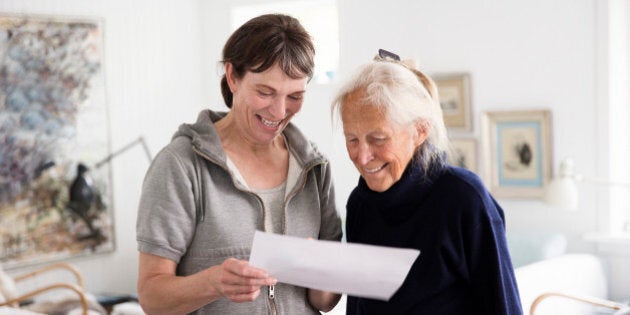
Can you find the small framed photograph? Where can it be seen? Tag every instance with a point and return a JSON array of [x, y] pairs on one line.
[[517, 152], [455, 100], [464, 153]]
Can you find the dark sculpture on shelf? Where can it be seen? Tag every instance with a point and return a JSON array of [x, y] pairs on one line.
[[85, 201], [82, 199]]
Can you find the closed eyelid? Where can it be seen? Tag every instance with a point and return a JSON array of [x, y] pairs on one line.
[[265, 92], [378, 136], [297, 96]]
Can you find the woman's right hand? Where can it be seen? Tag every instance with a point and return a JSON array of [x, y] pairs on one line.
[[240, 282]]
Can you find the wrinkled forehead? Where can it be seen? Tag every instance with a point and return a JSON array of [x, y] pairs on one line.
[[360, 100], [357, 108], [356, 96]]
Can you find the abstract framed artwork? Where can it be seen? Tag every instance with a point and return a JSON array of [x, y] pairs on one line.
[[455, 100], [54, 204], [517, 152], [464, 153]]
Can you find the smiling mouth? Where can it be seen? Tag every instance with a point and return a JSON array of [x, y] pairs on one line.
[[270, 123], [374, 170]]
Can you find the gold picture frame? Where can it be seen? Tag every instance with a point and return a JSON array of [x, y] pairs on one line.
[[455, 100], [517, 152]]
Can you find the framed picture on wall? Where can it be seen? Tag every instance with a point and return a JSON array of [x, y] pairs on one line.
[[55, 203], [455, 100], [517, 152], [464, 153]]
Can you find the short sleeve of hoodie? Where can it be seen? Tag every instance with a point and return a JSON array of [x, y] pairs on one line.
[[167, 214]]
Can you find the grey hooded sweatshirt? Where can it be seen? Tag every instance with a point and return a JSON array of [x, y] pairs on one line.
[[195, 212]]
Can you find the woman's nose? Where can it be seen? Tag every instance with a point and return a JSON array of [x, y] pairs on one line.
[[365, 154], [279, 108]]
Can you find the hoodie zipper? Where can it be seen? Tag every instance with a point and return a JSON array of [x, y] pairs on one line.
[[294, 192], [272, 288], [308, 168], [272, 299]]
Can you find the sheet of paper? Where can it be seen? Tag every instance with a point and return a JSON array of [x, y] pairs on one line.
[[356, 269]]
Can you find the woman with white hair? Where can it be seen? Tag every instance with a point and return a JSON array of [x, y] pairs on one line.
[[409, 196]]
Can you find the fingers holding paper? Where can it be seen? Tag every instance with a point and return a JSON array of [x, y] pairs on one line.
[[240, 282]]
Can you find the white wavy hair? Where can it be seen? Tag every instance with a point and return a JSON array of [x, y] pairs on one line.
[[406, 96]]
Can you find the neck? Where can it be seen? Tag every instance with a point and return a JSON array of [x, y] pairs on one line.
[[233, 138]]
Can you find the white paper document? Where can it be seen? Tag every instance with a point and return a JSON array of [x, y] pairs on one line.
[[356, 269]]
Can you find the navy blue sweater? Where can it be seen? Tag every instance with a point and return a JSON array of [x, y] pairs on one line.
[[464, 266]]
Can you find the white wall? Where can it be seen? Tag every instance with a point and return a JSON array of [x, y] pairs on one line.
[[520, 54], [614, 70], [162, 68], [153, 80]]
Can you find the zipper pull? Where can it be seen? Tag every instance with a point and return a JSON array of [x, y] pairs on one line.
[[272, 292]]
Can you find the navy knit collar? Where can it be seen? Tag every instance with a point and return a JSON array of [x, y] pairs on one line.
[[413, 185]]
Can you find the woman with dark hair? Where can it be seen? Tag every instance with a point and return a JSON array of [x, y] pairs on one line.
[[408, 196], [229, 174]]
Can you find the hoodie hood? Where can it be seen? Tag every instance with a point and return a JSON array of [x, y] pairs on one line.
[[205, 140], [203, 136]]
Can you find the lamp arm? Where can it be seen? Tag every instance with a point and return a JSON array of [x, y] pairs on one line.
[[108, 158], [145, 147]]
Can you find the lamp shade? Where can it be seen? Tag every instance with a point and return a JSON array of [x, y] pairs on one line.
[[562, 191]]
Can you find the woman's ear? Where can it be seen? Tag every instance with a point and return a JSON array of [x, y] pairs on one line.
[[421, 132], [230, 76]]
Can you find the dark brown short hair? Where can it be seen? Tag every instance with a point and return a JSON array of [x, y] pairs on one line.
[[265, 40]]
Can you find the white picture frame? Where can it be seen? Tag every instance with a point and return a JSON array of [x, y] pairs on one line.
[[517, 152]]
